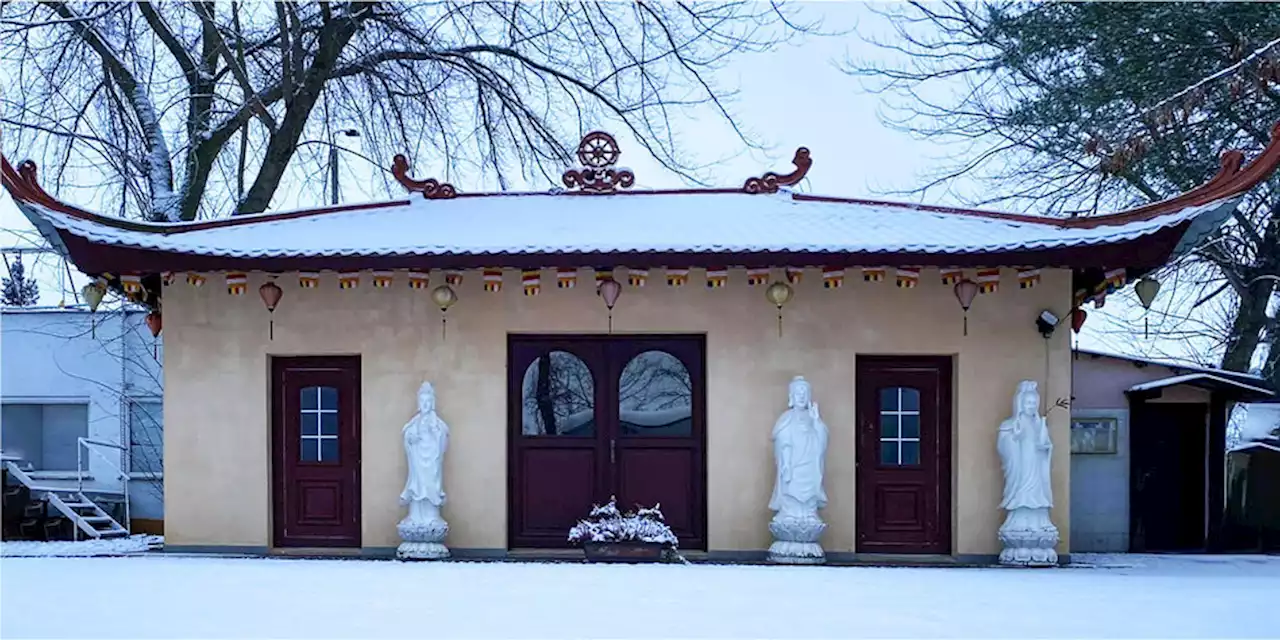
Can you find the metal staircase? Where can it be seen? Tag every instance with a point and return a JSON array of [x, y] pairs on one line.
[[86, 515], [88, 518]]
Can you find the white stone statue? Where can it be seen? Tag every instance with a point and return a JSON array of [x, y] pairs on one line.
[[426, 437], [1028, 535], [799, 449]]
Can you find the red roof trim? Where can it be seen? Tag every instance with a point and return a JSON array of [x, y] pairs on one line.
[[284, 215], [1231, 180], [22, 185], [980, 213], [1234, 177]]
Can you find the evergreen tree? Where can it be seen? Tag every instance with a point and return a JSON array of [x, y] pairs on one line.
[[19, 290], [1073, 108]]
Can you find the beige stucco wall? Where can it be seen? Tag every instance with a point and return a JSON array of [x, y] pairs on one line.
[[217, 480]]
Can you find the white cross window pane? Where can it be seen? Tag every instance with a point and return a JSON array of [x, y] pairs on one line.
[[318, 424], [900, 426]]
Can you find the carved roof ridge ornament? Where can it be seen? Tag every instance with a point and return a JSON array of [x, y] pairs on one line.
[[598, 152], [25, 185], [430, 188], [770, 182]]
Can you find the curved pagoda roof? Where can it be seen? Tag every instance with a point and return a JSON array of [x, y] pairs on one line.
[[599, 220]]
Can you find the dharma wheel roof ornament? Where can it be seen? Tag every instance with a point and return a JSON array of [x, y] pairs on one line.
[[598, 152], [770, 182], [430, 188]]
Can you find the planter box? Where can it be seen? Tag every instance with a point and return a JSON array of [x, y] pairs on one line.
[[623, 551]]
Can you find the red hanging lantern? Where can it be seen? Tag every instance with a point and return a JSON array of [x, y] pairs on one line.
[[155, 324], [966, 290], [271, 294], [1078, 316], [609, 289]]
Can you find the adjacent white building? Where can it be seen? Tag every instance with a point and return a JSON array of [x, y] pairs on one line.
[[65, 374]]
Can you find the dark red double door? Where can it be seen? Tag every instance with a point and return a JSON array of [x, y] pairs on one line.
[[591, 417]]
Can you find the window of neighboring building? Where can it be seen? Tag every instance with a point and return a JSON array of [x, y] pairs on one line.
[[1093, 435], [146, 437], [43, 435]]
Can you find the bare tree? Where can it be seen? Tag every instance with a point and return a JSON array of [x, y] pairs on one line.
[[198, 108], [1069, 108]]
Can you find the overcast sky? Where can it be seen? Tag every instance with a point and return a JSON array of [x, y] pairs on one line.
[[795, 96]]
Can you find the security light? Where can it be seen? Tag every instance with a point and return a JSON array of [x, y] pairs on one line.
[[1046, 323]]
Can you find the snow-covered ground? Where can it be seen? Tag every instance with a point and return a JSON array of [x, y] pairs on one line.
[[157, 596], [107, 547]]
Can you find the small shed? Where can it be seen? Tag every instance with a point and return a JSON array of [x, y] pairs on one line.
[[1148, 444], [1253, 483]]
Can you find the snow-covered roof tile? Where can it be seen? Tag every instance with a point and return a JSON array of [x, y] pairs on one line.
[[634, 223]]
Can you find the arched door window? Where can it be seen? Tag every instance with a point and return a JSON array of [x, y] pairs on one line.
[[558, 397], [655, 396]]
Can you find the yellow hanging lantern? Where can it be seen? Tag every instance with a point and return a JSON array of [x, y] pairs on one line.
[[1146, 288], [93, 294], [444, 297], [779, 293]]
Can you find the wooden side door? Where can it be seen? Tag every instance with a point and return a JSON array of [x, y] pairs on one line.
[[904, 454], [1168, 444], [316, 451], [558, 447], [658, 430]]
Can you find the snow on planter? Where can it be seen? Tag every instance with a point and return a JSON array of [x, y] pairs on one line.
[[607, 523]]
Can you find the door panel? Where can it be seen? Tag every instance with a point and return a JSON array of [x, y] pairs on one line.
[[594, 417], [558, 482], [316, 451], [659, 429], [904, 454], [663, 477], [558, 449]]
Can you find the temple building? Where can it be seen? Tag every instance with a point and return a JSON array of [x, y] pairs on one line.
[[598, 340]]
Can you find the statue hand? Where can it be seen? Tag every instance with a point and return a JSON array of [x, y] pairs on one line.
[[813, 410]]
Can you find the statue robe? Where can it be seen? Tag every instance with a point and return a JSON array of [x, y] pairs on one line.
[[1025, 450], [799, 445], [425, 440]]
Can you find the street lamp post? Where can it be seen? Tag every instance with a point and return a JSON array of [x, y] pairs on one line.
[[333, 163]]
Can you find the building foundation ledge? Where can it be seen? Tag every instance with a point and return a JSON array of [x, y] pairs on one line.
[[715, 556]]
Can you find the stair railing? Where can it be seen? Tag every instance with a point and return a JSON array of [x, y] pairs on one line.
[[86, 444]]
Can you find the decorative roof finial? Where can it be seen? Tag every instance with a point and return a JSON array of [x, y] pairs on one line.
[[769, 182], [598, 152], [430, 188]]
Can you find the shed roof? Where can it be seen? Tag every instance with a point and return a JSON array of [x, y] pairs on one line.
[[1271, 444], [1176, 366], [1235, 389]]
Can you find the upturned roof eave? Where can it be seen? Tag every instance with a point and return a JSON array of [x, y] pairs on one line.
[[1233, 179]]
